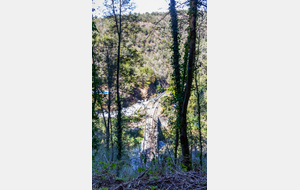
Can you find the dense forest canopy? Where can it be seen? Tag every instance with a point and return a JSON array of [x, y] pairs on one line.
[[146, 50]]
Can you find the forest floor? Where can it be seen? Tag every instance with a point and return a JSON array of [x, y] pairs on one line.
[[194, 179]]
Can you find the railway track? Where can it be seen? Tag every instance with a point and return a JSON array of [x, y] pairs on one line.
[[150, 140]]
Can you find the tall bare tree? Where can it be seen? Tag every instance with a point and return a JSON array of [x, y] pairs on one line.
[[117, 8]]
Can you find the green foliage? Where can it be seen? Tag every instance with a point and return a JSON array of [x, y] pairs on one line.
[[141, 169], [136, 118], [184, 168], [153, 177], [113, 165], [138, 140], [94, 28], [138, 66], [120, 179]]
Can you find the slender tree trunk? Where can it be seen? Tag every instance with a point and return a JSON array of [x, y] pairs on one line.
[[101, 106], [176, 144], [185, 60], [184, 143], [187, 93], [107, 126], [95, 94], [110, 83], [100, 102], [199, 119], [112, 144], [176, 66], [191, 147], [119, 117], [109, 119], [198, 98], [94, 115]]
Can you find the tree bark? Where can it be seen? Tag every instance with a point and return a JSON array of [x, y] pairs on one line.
[[198, 98], [107, 126], [176, 66], [110, 125], [176, 144], [95, 140], [183, 136]]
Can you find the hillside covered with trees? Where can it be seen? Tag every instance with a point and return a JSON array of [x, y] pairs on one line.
[[136, 58]]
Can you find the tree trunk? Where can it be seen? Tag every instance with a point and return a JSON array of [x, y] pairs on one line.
[[183, 136], [95, 94], [107, 127], [198, 99], [176, 144], [176, 74], [110, 125], [100, 102], [95, 140], [199, 119], [109, 119], [119, 117]]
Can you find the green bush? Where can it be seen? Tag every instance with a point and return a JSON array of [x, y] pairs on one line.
[[138, 140]]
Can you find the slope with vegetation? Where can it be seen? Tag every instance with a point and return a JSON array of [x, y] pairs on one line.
[[134, 57]]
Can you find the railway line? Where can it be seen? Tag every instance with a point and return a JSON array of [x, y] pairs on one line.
[[149, 144]]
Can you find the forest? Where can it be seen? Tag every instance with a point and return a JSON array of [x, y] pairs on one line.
[[149, 97]]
